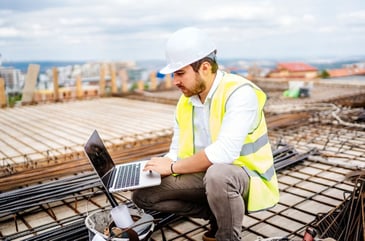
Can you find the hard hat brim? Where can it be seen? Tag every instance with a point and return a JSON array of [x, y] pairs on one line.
[[166, 70], [171, 68]]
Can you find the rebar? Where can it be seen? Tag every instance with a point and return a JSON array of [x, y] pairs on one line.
[[345, 222]]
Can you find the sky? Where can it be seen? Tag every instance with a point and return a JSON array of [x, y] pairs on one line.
[[75, 30]]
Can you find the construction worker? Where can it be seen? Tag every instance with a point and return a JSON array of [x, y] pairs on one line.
[[220, 163]]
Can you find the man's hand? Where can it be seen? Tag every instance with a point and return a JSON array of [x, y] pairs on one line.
[[161, 165]]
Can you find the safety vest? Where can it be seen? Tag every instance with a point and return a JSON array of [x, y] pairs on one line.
[[256, 155]]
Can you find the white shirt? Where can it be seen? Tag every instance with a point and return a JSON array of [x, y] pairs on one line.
[[239, 119]]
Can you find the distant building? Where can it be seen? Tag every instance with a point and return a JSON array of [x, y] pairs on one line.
[[13, 79], [294, 70], [344, 72]]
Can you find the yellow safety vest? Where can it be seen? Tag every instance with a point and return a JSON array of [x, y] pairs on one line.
[[256, 154]]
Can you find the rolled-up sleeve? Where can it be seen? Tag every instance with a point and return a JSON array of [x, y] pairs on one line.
[[239, 119]]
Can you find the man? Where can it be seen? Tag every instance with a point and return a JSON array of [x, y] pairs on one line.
[[220, 162]]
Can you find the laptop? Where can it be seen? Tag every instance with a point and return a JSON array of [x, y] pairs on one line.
[[121, 177]]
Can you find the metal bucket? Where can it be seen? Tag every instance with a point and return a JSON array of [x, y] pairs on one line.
[[97, 221]]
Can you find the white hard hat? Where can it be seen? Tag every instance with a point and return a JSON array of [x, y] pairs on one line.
[[186, 46]]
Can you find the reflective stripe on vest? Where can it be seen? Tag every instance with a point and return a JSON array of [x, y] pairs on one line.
[[266, 175], [250, 148]]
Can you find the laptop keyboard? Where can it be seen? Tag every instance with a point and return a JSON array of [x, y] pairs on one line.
[[128, 175]]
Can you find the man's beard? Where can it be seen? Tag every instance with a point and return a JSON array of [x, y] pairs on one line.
[[197, 88]]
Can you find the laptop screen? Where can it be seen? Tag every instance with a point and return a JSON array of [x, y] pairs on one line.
[[99, 157]]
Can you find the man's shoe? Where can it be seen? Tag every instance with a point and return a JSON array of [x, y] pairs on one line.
[[209, 236]]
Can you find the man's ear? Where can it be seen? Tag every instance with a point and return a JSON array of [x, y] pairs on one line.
[[205, 66]]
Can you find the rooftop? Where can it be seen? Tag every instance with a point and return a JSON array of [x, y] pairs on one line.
[[43, 144], [296, 66]]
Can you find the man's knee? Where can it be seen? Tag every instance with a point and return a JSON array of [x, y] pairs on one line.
[[225, 177], [138, 198], [216, 172], [215, 176]]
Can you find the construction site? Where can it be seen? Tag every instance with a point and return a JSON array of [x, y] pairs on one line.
[[48, 187]]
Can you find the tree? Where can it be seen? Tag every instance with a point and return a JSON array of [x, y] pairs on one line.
[[324, 74]]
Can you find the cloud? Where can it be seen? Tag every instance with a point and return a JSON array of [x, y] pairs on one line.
[[75, 29], [8, 32], [353, 20]]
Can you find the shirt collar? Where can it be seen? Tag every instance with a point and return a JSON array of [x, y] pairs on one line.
[[195, 98]]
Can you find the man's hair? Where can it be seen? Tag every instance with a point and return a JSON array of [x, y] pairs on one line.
[[210, 59]]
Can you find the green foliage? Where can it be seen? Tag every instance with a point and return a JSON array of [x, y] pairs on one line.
[[146, 86], [324, 74], [13, 98], [133, 86]]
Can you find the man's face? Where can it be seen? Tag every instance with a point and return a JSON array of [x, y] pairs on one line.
[[188, 81]]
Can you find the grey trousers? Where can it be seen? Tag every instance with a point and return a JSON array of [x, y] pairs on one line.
[[216, 195]]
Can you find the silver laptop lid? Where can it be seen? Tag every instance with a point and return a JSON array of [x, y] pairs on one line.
[[99, 158]]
